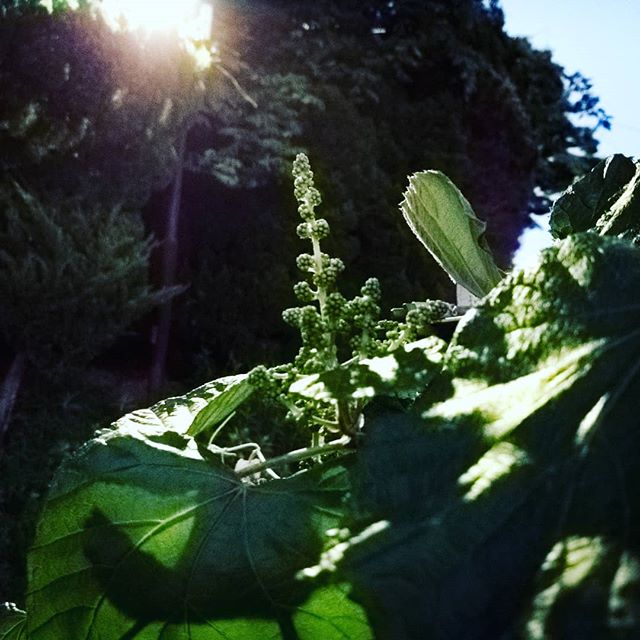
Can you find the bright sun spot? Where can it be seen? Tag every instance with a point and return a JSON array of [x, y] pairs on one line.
[[190, 19]]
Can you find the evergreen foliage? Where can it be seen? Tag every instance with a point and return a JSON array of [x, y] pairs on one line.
[[72, 278], [407, 84]]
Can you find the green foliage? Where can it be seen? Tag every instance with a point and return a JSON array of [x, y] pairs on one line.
[[72, 278], [332, 327], [372, 92], [606, 200], [52, 418], [484, 490], [222, 405], [402, 373], [532, 406]]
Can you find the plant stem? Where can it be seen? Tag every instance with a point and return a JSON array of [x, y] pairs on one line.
[[295, 456], [322, 292]]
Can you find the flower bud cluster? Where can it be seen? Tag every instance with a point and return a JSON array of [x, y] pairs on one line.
[[417, 323], [305, 262], [304, 292], [306, 194], [314, 230], [326, 276], [324, 316], [363, 314], [263, 380], [314, 329], [426, 313]]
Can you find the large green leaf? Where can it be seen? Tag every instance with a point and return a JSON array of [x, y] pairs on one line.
[[476, 489], [443, 220], [141, 537], [330, 614], [12, 623], [607, 199]]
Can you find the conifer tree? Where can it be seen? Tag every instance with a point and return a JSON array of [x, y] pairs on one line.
[[72, 279]]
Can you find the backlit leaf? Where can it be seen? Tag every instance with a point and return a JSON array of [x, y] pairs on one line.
[[143, 538], [537, 437], [222, 405], [443, 220]]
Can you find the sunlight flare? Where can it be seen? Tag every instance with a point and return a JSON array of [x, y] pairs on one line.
[[190, 19]]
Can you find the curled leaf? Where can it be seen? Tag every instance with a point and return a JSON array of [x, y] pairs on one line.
[[443, 220]]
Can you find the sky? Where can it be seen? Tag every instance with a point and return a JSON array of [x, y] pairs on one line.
[[602, 41]]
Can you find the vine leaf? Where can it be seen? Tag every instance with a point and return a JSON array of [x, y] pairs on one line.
[[603, 199], [331, 614], [443, 220], [12, 623], [141, 537], [476, 489]]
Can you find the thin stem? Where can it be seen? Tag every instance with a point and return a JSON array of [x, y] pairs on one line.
[[364, 342], [223, 424], [295, 456], [296, 412], [322, 293], [324, 422]]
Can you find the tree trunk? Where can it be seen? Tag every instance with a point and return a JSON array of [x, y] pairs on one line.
[[157, 374], [9, 391]]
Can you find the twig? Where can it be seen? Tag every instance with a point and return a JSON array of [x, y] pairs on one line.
[[237, 86], [294, 456]]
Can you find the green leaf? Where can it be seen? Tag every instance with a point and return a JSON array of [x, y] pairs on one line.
[[586, 287], [222, 405], [404, 372], [330, 614], [141, 537], [12, 623], [623, 217], [606, 199], [476, 489], [443, 220], [179, 414]]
